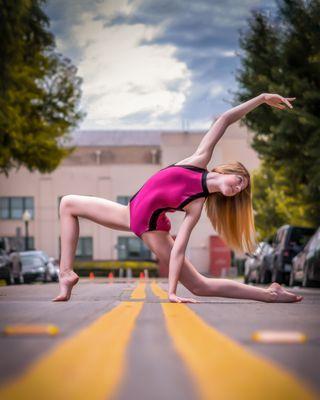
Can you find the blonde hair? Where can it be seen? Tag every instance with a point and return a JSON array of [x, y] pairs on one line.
[[232, 216]]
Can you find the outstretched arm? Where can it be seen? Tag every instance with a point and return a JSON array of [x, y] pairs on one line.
[[211, 138], [177, 254]]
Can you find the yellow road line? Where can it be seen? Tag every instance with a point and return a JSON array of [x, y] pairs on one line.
[[157, 291], [223, 369], [89, 365], [139, 292]]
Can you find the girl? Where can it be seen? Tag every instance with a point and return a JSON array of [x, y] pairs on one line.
[[186, 186]]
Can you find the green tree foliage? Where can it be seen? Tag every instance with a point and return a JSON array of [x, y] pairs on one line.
[[282, 55], [39, 90], [273, 202]]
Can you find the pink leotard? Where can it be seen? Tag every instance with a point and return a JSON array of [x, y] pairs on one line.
[[168, 190]]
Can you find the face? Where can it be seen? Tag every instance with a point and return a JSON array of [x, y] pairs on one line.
[[233, 184]]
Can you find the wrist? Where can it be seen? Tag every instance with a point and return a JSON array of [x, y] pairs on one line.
[[262, 97]]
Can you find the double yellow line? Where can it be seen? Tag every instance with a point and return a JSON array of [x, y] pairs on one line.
[[90, 364], [221, 368]]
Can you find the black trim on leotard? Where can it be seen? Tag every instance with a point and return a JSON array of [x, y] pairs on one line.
[[192, 167], [205, 192], [154, 217]]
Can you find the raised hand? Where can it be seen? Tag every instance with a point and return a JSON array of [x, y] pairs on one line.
[[177, 299], [275, 100]]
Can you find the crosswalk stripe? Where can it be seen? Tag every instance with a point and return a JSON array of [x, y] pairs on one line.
[[88, 365], [221, 368], [139, 292]]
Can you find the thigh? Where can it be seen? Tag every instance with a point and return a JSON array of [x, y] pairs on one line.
[[102, 211], [161, 243]]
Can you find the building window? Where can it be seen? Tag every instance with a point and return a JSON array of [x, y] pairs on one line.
[[132, 248], [14, 207], [123, 199], [16, 242], [84, 249]]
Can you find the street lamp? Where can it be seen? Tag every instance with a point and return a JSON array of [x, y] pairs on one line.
[[26, 218]]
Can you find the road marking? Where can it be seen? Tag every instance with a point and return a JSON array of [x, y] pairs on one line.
[[88, 365], [221, 368], [31, 329], [139, 292], [273, 336]]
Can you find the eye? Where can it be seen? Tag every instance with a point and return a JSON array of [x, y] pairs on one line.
[[240, 179]]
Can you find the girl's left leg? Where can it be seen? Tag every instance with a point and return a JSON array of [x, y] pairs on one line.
[[102, 211], [161, 244]]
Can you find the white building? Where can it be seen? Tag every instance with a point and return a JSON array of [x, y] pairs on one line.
[[113, 165]]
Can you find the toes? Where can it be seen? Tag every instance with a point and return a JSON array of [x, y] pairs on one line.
[[60, 298]]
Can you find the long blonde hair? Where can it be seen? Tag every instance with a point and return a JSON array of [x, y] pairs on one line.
[[232, 216]]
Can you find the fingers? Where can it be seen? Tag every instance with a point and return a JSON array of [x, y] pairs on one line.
[[279, 106], [185, 300], [287, 103]]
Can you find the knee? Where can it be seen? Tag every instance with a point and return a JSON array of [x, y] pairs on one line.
[[200, 288], [66, 203]]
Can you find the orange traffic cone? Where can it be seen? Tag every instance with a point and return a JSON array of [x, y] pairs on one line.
[[91, 275], [110, 275]]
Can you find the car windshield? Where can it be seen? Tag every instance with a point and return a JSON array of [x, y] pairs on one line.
[[300, 236], [31, 260]]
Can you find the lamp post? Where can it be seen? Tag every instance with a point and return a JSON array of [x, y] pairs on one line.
[[26, 218]]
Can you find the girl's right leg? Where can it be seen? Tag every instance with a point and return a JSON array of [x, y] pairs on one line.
[[102, 211], [161, 244]]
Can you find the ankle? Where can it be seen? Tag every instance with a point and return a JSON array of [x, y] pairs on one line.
[[66, 272], [271, 295]]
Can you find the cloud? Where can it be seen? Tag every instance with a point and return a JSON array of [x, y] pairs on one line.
[[157, 62], [122, 77]]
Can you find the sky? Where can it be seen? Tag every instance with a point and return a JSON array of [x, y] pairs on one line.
[[153, 64]]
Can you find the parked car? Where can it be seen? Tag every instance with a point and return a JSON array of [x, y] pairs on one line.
[[289, 241], [266, 257], [5, 268], [251, 265], [34, 267], [53, 269], [10, 267], [306, 264], [16, 265]]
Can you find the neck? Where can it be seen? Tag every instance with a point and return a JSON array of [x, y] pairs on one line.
[[213, 182]]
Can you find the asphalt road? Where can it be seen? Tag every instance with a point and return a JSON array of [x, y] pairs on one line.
[[124, 340]]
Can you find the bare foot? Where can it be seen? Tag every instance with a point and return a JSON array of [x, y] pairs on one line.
[[280, 295], [66, 280]]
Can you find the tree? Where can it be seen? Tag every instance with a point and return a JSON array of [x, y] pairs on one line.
[[39, 91], [282, 55], [273, 204]]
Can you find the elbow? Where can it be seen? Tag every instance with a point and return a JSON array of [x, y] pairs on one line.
[[225, 118]]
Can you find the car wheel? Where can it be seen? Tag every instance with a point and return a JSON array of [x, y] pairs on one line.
[[276, 276], [19, 279], [10, 280], [263, 277], [292, 281], [286, 278], [47, 278], [306, 281]]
